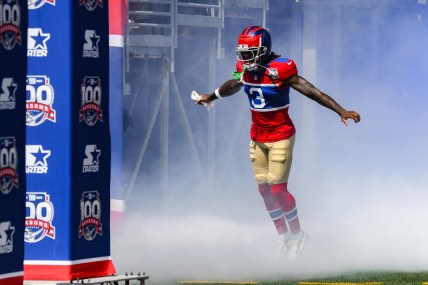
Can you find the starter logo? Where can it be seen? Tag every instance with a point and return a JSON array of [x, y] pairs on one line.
[[90, 215], [90, 47], [36, 46], [10, 23], [7, 94], [8, 165], [40, 98], [39, 213], [91, 112], [91, 5], [35, 159], [91, 163], [36, 4], [6, 237]]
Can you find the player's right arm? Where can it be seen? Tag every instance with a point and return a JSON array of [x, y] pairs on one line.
[[227, 89]]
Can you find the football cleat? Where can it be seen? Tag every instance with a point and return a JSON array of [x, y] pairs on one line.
[[295, 246], [283, 241]]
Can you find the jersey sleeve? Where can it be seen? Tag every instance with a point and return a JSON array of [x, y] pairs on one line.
[[289, 70]]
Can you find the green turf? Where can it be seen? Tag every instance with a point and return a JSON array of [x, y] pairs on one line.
[[387, 278]]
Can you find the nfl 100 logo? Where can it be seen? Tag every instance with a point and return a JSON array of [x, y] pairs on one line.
[[38, 217], [91, 5], [90, 215], [8, 165], [91, 92], [10, 23], [40, 99]]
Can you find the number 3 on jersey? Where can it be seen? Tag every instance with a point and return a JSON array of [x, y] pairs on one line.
[[258, 101]]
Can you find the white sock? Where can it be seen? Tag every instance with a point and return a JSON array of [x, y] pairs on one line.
[[285, 236], [299, 235]]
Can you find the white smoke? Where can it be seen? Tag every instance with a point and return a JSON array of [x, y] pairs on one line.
[[361, 189]]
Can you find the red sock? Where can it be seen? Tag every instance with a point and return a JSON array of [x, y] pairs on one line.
[[274, 208], [288, 205]]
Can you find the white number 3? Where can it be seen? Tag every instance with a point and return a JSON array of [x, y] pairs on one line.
[[259, 101]]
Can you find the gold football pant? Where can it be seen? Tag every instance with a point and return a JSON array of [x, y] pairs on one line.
[[272, 161]]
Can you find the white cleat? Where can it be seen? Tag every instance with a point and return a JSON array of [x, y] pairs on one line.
[[283, 241], [295, 246]]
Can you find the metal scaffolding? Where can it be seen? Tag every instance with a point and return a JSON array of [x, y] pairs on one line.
[[153, 29]]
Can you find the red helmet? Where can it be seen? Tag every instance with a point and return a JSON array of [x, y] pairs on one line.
[[254, 47]]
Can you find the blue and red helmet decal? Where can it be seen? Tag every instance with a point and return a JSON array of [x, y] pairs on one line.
[[255, 36]]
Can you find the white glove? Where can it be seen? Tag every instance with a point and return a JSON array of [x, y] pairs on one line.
[[195, 97]]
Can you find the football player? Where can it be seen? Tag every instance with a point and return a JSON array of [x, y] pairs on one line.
[[267, 78]]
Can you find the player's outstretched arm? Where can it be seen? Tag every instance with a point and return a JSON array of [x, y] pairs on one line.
[[227, 89], [300, 84]]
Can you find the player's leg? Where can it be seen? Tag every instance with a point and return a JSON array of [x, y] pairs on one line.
[[280, 158], [259, 162]]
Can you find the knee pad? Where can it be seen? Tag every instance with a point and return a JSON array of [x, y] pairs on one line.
[[261, 179], [273, 179]]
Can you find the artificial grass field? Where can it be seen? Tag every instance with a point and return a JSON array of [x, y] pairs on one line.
[[368, 278]]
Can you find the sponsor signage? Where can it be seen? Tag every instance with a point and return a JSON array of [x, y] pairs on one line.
[[68, 141], [13, 71]]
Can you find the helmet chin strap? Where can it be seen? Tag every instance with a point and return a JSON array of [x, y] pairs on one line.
[[260, 66]]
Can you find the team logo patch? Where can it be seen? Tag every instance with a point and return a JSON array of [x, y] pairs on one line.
[[36, 45], [90, 47], [91, 5], [90, 215], [7, 94], [6, 237], [36, 4], [273, 73], [91, 162], [36, 159], [8, 165], [10, 23], [38, 219], [40, 99], [91, 92]]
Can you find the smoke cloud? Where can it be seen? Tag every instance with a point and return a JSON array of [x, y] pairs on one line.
[[361, 190]]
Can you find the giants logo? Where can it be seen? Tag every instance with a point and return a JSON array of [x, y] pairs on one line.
[[38, 218], [91, 5], [90, 48], [91, 163], [90, 215], [36, 46], [36, 4], [35, 159], [8, 165], [7, 94], [91, 111], [40, 98], [10, 22], [6, 237]]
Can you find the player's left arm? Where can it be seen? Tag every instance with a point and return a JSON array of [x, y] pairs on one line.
[[300, 84]]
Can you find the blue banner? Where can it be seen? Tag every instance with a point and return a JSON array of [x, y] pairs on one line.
[[68, 141], [13, 50]]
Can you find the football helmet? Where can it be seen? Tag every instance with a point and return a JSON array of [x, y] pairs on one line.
[[254, 47]]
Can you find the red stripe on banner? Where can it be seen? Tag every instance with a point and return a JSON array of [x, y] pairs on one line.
[[69, 272], [18, 280], [117, 16]]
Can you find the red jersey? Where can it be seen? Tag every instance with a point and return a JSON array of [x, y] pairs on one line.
[[269, 100]]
